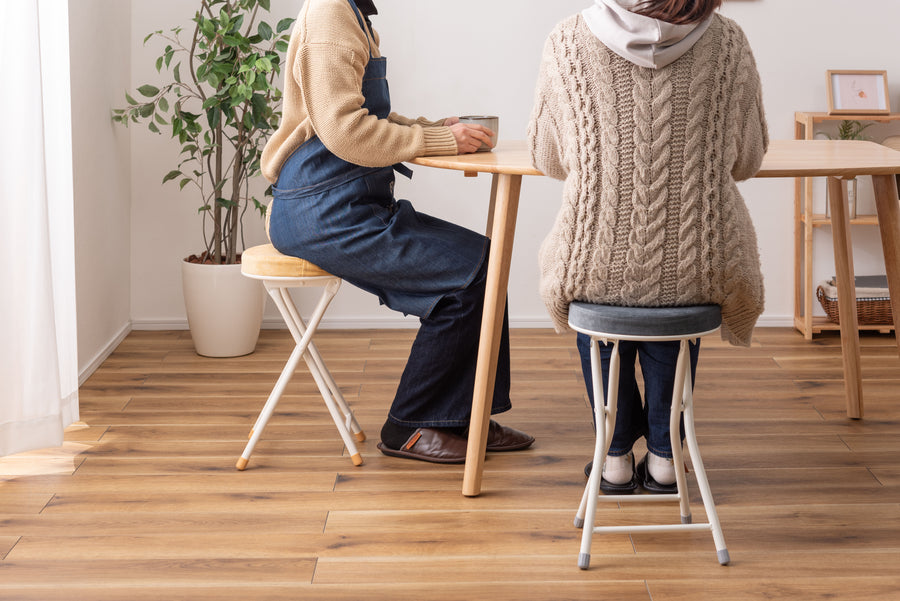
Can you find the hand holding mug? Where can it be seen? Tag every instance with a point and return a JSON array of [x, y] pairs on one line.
[[470, 137]]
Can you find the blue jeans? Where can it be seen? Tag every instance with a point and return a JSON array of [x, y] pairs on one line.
[[439, 379], [345, 219], [635, 419]]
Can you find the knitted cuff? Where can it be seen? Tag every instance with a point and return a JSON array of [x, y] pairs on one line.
[[439, 141]]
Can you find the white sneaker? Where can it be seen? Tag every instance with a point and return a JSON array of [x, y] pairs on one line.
[[618, 470], [661, 469]]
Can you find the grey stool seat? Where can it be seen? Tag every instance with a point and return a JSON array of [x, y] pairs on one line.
[[655, 322], [611, 324]]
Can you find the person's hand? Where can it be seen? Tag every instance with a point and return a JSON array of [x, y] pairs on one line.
[[470, 136]]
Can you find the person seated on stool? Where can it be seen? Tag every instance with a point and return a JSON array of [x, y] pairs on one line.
[[650, 111], [331, 163]]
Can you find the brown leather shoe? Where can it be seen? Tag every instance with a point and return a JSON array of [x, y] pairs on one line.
[[429, 444], [502, 438]]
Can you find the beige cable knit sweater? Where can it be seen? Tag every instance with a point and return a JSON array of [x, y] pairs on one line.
[[325, 62], [651, 214]]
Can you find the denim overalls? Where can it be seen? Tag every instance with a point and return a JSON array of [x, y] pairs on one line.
[[344, 218]]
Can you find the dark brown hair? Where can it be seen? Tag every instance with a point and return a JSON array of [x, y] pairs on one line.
[[679, 12]]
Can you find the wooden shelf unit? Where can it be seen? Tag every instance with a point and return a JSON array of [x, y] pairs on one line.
[[804, 223]]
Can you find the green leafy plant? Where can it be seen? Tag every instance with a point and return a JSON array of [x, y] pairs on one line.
[[221, 104], [848, 130]]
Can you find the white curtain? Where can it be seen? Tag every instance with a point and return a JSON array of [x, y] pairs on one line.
[[38, 346]]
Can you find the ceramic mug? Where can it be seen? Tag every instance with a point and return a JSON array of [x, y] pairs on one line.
[[488, 121]]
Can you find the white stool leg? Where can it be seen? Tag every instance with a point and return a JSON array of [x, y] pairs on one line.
[[703, 483], [349, 420], [605, 423], [601, 414], [276, 292], [302, 335], [682, 404], [682, 367], [330, 403], [269, 407]]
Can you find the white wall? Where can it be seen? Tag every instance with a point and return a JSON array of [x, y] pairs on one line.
[[99, 49], [481, 56]]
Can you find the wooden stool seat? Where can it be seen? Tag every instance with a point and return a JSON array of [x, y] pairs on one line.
[[280, 273], [265, 261], [611, 324]]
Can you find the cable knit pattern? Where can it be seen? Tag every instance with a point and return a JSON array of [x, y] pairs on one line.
[[651, 214]]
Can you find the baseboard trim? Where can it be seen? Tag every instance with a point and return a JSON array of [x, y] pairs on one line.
[[88, 370], [775, 321]]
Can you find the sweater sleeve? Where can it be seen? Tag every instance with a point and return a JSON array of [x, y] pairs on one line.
[[330, 77], [752, 132], [543, 130], [397, 118]]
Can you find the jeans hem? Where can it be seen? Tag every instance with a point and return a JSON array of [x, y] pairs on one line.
[[445, 423]]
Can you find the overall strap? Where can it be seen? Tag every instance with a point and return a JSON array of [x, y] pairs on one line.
[[362, 24]]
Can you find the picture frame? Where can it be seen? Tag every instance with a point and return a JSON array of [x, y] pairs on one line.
[[858, 92]]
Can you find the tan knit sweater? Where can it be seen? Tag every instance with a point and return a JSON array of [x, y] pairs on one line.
[[651, 215], [324, 67]]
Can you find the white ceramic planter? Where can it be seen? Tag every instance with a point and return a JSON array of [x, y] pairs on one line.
[[224, 309]]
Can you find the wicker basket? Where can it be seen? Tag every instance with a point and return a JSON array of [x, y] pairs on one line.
[[873, 302]]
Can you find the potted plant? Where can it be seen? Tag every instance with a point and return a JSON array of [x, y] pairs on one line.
[[847, 130], [220, 104]]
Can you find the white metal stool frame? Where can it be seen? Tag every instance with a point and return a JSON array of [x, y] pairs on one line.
[[605, 419], [279, 289]]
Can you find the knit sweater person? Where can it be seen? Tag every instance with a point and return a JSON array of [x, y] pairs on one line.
[[650, 146]]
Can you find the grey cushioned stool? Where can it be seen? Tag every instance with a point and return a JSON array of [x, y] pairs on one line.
[[612, 324]]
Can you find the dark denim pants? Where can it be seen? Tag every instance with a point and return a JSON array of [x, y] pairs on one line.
[[634, 418], [437, 385]]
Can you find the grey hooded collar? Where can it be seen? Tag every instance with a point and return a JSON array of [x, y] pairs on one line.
[[644, 41]]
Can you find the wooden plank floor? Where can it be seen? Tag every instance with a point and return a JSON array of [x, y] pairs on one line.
[[143, 501]]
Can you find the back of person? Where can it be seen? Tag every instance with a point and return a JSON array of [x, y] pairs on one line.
[[650, 124]]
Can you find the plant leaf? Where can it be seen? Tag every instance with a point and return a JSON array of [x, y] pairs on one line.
[[148, 90]]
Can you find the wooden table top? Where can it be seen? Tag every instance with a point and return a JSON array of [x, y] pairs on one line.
[[785, 158], [841, 158], [511, 158]]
